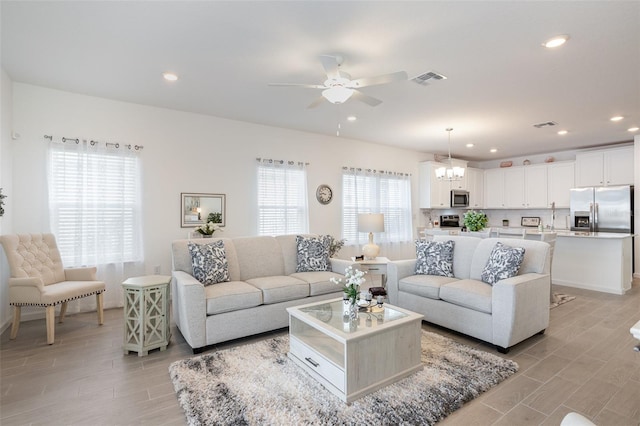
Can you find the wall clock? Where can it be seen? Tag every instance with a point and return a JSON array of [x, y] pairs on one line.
[[324, 194]]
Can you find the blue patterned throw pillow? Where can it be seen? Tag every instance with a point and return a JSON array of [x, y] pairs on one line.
[[434, 258], [209, 262], [504, 262], [313, 253]]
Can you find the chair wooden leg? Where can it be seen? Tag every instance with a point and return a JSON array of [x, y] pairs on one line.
[[51, 324], [63, 311], [99, 305], [16, 322]]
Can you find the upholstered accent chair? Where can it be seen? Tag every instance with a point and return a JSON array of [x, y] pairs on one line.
[[39, 279]]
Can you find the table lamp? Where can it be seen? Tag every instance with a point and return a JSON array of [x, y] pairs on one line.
[[370, 222]]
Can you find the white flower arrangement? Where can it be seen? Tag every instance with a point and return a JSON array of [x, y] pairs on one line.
[[353, 280], [208, 228]]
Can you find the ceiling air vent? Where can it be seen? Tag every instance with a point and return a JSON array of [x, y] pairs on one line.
[[545, 124], [426, 78]]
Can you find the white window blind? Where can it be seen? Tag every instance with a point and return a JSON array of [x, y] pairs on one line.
[[371, 191], [282, 197], [94, 202]]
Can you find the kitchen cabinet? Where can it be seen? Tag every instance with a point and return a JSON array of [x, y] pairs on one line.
[[475, 186], [516, 188], [434, 193], [525, 187], [494, 188], [560, 180], [603, 168]]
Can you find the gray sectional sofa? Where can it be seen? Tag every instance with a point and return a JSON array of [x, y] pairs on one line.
[[263, 282], [504, 314]]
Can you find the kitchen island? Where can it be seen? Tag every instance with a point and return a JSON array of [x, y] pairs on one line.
[[599, 261]]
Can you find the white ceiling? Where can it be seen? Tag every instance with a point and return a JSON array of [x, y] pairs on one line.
[[500, 82]]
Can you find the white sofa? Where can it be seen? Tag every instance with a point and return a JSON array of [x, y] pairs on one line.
[[263, 283], [504, 314]]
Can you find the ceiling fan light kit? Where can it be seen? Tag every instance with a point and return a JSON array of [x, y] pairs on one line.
[[337, 94]]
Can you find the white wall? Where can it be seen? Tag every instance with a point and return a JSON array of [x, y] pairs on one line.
[[184, 152], [6, 226]]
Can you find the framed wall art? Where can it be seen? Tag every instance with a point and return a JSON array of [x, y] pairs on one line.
[[199, 208]]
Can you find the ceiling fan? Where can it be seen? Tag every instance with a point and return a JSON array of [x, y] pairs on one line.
[[338, 88]]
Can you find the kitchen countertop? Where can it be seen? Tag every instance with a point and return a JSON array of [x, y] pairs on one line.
[[533, 231]]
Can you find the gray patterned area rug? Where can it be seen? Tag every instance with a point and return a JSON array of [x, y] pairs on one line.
[[257, 384], [560, 299]]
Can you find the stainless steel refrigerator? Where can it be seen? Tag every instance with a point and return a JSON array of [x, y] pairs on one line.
[[602, 209]]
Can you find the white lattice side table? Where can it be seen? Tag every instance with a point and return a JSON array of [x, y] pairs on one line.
[[146, 313]]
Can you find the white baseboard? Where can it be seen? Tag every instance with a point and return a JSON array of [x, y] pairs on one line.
[[588, 287]]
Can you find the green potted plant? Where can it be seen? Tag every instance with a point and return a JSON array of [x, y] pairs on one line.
[[475, 221]]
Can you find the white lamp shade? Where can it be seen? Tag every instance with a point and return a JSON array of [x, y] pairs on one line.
[[371, 222]]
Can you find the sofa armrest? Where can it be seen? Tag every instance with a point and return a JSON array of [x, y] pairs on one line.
[[339, 265], [189, 308], [397, 270], [520, 307], [80, 274]]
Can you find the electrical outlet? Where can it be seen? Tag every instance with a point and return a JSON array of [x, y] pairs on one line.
[[156, 269]]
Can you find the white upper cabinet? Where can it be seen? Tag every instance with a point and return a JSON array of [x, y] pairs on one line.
[[561, 178], [525, 187], [475, 186], [494, 188], [603, 168], [434, 193], [535, 186], [516, 187]]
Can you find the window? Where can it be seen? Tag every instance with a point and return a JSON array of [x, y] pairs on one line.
[[282, 197], [94, 202], [371, 191]]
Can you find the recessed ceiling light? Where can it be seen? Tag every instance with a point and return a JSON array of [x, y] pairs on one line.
[[563, 132], [556, 41], [616, 118], [169, 76], [633, 129], [352, 118], [469, 145], [493, 150]]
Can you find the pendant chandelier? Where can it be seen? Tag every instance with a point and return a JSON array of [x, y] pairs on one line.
[[449, 173]]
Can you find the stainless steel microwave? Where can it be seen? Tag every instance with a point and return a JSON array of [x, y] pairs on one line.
[[459, 198]]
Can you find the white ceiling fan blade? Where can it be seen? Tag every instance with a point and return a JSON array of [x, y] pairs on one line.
[[380, 79], [315, 103], [369, 100], [330, 65], [307, 86]]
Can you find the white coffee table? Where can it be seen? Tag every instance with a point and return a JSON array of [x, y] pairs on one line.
[[354, 358]]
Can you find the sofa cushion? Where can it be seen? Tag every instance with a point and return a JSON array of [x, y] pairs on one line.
[[280, 288], [231, 296], [258, 257], [434, 258], [463, 255], [209, 262], [313, 253], [504, 262], [472, 294], [319, 281], [424, 285]]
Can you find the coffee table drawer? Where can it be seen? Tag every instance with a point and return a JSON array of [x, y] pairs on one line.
[[318, 363]]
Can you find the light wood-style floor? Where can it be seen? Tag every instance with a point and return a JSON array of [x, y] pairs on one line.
[[585, 362]]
